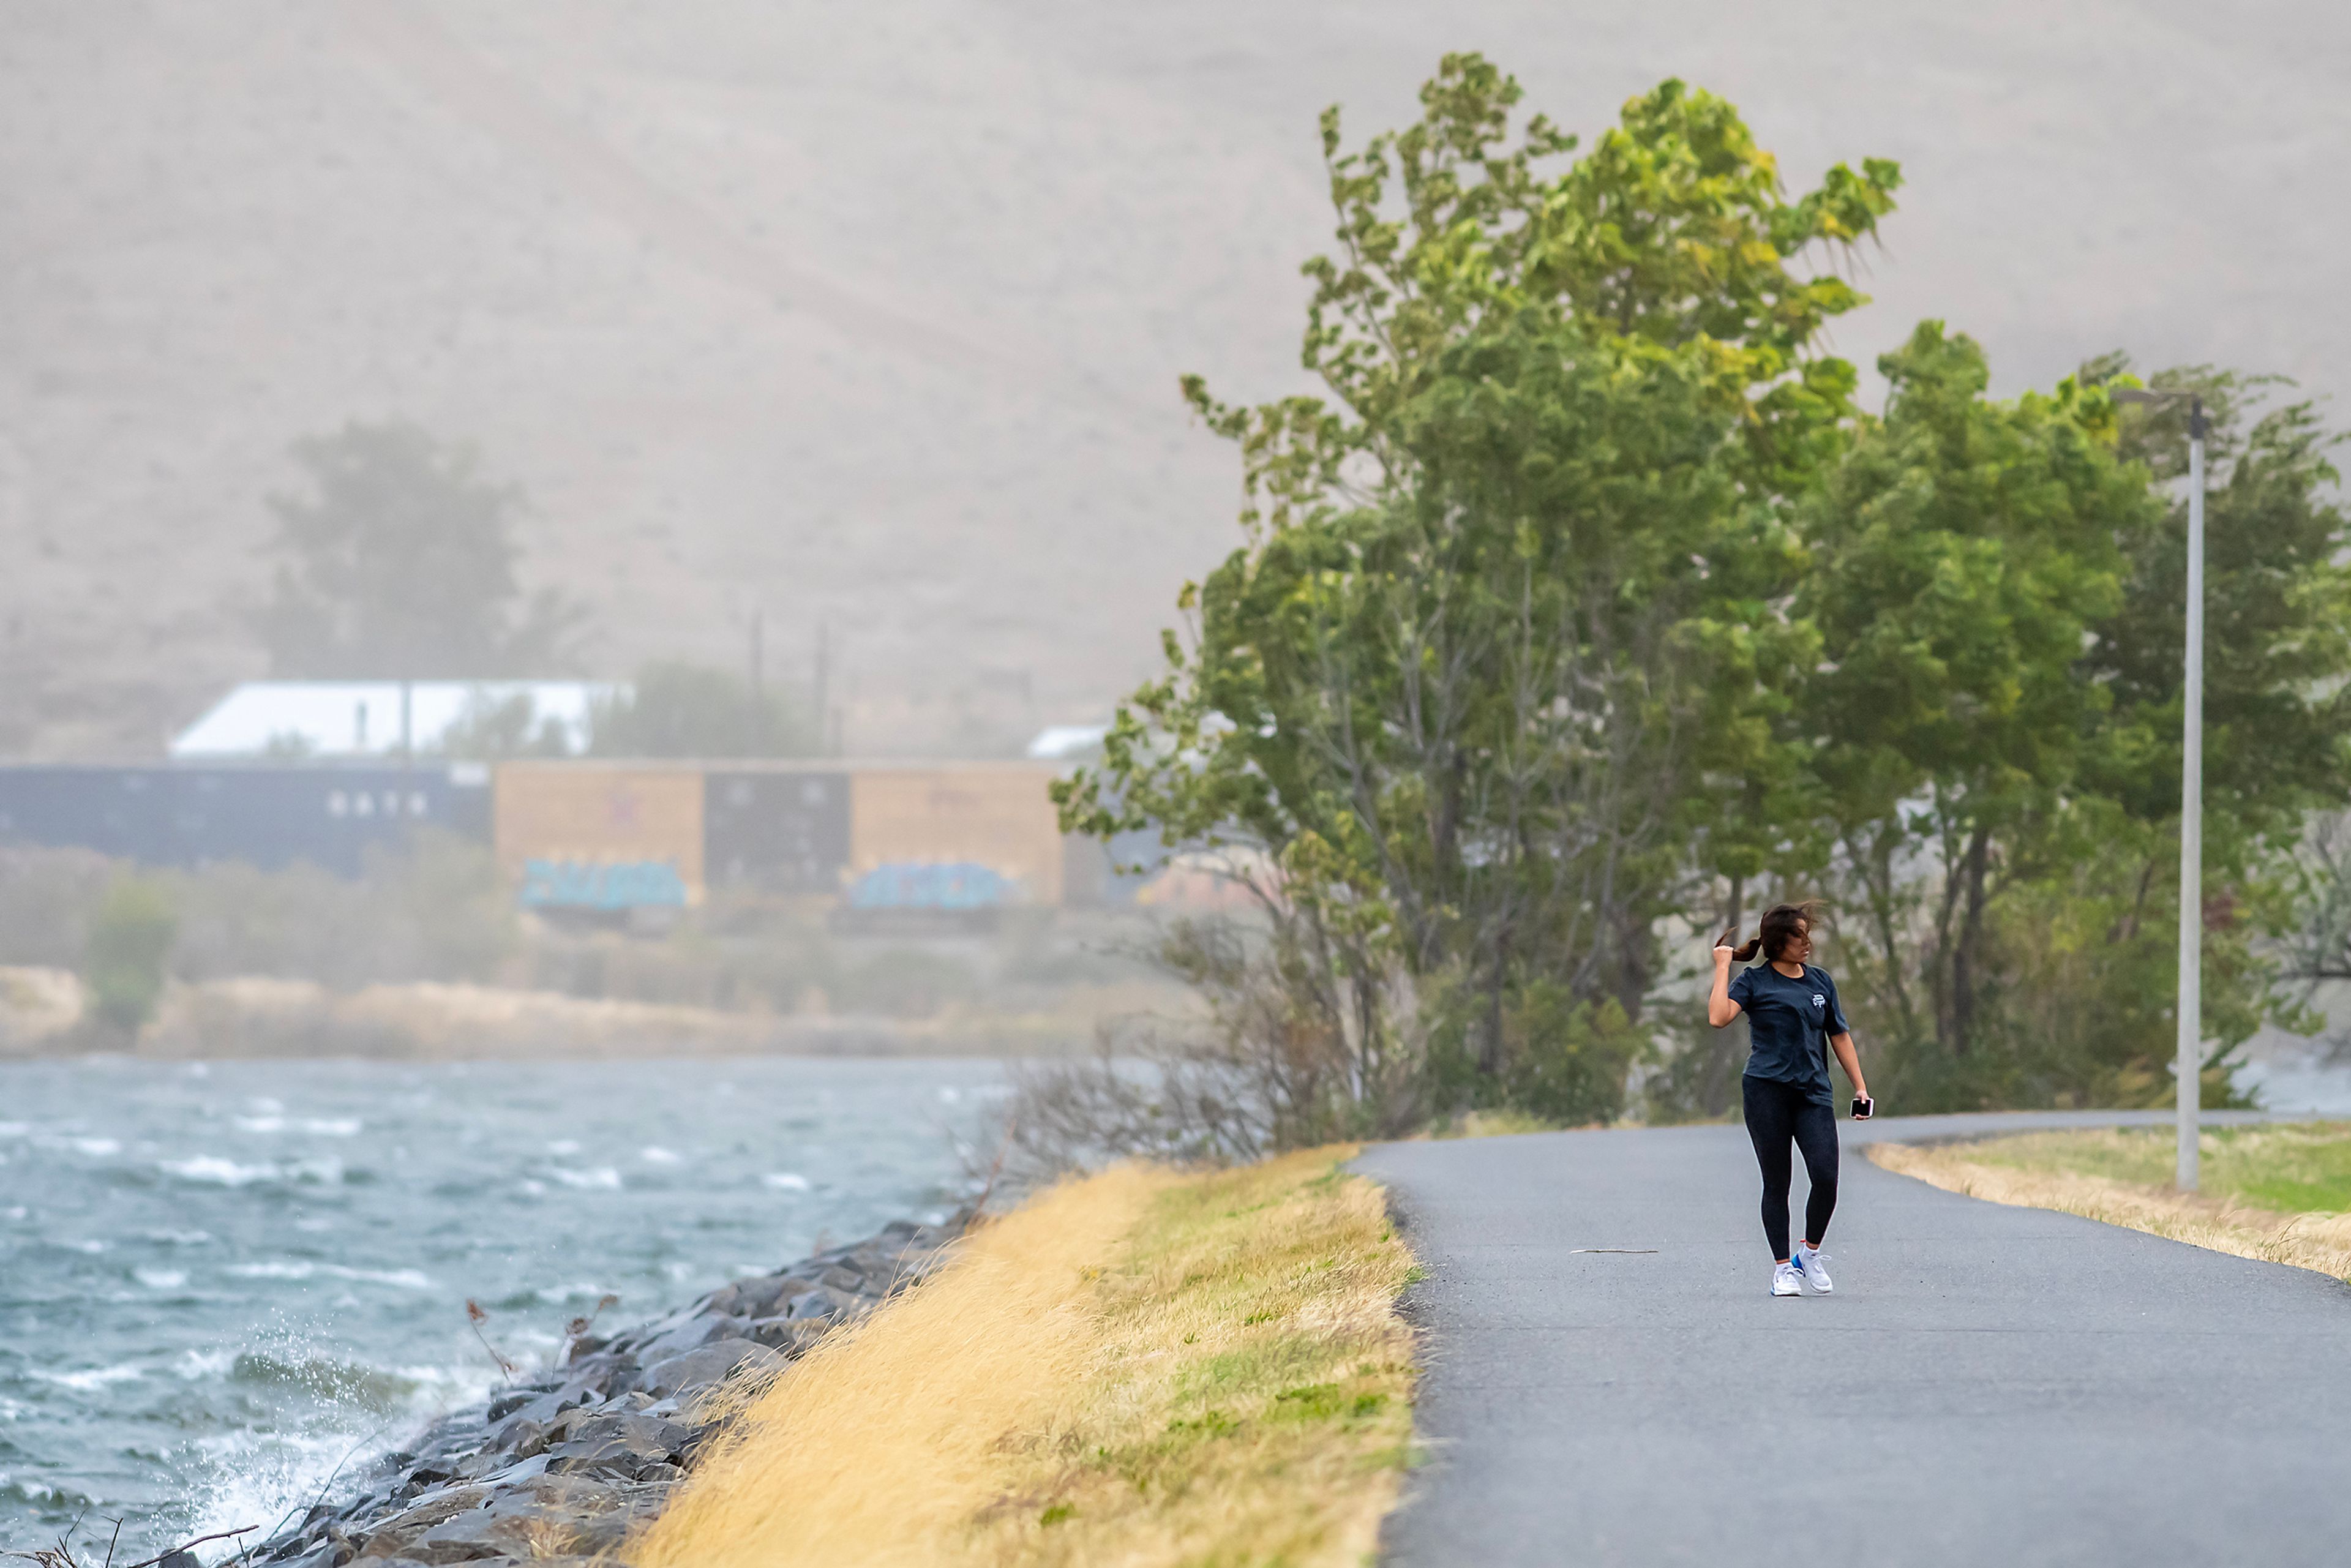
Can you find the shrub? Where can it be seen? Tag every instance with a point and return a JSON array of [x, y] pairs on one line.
[[125, 956]]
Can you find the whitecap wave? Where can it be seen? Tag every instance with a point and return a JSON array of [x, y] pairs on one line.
[[564, 1146], [245, 1475], [406, 1278], [653, 1155], [211, 1170], [197, 1365], [317, 1126], [90, 1379], [96, 1148], [603, 1178], [161, 1279], [558, 1295], [785, 1181]]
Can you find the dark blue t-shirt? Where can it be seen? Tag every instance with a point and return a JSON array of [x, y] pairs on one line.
[[1788, 1025]]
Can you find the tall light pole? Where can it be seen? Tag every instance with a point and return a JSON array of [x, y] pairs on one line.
[[2189, 1068]]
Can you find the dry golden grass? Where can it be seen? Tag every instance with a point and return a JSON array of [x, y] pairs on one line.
[[1139, 1368], [2318, 1240], [1491, 1125]]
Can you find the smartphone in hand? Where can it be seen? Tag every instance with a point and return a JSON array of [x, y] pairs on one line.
[[1863, 1107]]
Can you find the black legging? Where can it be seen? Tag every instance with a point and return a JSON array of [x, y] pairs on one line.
[[1777, 1112]]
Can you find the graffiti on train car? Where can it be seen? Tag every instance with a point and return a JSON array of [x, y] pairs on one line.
[[601, 885], [954, 885]]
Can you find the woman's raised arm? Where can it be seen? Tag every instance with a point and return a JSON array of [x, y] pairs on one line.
[[1720, 1009]]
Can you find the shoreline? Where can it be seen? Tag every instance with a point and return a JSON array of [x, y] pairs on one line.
[[263, 1018], [560, 1466]]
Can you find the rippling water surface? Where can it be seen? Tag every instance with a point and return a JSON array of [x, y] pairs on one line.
[[217, 1280]]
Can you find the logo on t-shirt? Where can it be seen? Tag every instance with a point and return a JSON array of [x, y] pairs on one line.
[[1819, 1000]]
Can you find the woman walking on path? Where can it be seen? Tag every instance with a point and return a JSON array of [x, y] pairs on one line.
[[1793, 1020]]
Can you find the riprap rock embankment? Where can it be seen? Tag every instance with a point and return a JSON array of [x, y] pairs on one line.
[[560, 1469]]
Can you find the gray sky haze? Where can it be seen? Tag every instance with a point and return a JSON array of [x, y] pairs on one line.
[[873, 315]]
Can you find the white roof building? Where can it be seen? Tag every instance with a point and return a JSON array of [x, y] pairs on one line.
[[1060, 742], [376, 718]]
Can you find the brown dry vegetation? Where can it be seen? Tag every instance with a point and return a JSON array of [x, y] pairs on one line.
[[2034, 1173], [1138, 1368]]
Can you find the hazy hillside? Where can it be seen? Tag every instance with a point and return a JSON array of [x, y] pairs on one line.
[[872, 314]]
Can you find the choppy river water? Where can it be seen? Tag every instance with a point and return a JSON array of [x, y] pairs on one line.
[[216, 1281]]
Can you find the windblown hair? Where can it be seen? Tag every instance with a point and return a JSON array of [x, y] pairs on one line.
[[1783, 923]]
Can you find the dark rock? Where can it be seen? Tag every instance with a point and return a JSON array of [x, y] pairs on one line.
[[494, 1532], [752, 1298], [701, 1368], [788, 1335], [620, 1446], [506, 1403], [692, 1334], [518, 1471], [556, 1472], [179, 1560], [326, 1554], [824, 1301]]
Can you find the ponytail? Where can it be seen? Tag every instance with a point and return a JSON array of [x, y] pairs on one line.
[[1782, 923]]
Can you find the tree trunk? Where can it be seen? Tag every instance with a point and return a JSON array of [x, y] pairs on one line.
[[1966, 953]]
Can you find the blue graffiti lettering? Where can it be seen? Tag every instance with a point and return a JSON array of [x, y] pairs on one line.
[[588, 885], [957, 884]]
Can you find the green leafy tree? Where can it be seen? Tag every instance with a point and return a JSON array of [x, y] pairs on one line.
[[676, 709], [1998, 588], [491, 729], [399, 561], [1509, 617], [1963, 551], [2277, 617], [126, 952]]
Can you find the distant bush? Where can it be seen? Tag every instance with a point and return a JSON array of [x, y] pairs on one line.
[[438, 911], [47, 899], [675, 709], [400, 561], [908, 982], [129, 945], [435, 912]]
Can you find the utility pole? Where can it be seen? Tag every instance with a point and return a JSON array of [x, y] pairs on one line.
[[823, 678], [407, 753], [2188, 1070]]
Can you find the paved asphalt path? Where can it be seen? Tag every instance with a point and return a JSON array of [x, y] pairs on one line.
[[1988, 1386]]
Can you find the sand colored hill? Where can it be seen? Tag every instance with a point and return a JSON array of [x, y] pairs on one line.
[[873, 315]]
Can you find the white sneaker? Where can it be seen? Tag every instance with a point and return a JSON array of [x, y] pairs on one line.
[[1787, 1280], [1813, 1265]]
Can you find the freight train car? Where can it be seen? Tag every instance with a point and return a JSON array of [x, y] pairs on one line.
[[946, 837], [952, 837], [594, 836], [779, 828], [600, 837], [268, 815]]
